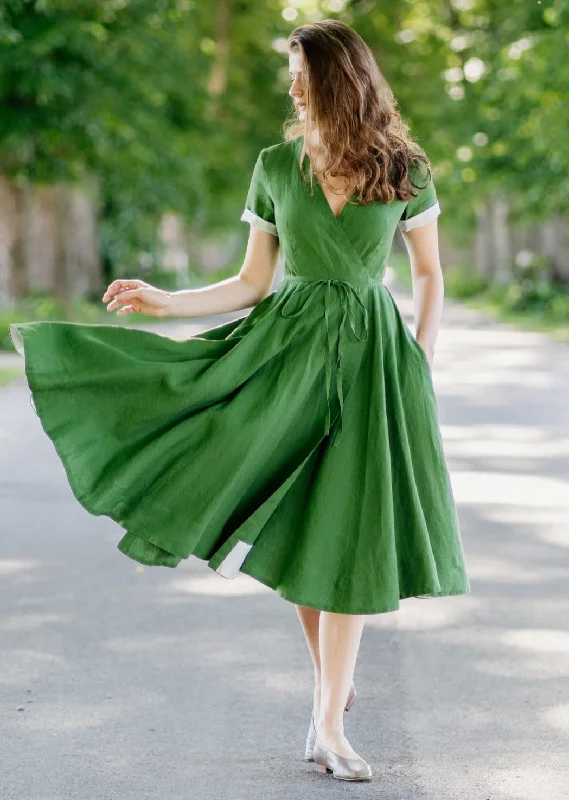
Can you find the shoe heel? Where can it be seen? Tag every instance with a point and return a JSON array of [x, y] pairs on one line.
[[351, 701], [351, 698], [320, 768]]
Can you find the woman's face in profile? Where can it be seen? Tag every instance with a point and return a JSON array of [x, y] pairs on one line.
[[296, 91]]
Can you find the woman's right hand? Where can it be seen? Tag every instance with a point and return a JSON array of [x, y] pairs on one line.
[[137, 296]]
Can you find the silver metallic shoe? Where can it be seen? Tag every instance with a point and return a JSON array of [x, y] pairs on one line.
[[311, 738], [346, 769]]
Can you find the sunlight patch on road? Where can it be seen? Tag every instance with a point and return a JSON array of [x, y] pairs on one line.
[[528, 516], [23, 667], [470, 361], [532, 667], [415, 614], [506, 441], [543, 640], [72, 716], [485, 338], [549, 525], [557, 717], [509, 488], [528, 782], [490, 568], [558, 536], [217, 586], [466, 380], [30, 622], [287, 682], [10, 566]]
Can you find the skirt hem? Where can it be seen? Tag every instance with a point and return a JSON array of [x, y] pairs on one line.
[[426, 594]]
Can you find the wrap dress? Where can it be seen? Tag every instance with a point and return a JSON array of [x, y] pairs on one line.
[[298, 444]]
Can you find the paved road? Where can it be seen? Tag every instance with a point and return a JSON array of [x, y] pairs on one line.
[[126, 683]]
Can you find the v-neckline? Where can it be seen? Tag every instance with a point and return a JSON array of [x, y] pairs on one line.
[[323, 197]]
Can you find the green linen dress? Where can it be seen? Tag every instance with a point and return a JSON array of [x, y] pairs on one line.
[[298, 444]]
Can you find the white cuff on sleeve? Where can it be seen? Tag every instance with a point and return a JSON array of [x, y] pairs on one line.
[[420, 219], [259, 222]]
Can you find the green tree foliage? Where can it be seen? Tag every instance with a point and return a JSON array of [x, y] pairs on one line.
[[114, 88], [483, 84], [93, 87], [168, 101]]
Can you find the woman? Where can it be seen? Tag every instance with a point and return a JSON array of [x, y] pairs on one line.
[[299, 443]]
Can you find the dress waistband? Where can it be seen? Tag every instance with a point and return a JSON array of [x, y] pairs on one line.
[[354, 312], [335, 281]]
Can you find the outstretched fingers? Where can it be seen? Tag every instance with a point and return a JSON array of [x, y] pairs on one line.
[[125, 299], [120, 285]]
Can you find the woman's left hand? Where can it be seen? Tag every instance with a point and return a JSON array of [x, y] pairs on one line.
[[428, 351], [137, 296]]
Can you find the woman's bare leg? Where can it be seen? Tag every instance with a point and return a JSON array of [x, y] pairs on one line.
[[339, 642], [310, 621]]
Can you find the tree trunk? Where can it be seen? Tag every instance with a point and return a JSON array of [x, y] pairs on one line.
[[483, 241], [502, 250], [549, 244], [83, 262], [561, 259], [217, 79], [60, 212], [18, 285]]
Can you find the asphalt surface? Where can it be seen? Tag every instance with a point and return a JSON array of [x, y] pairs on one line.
[[124, 682]]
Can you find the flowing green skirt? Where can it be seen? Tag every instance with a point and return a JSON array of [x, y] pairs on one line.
[[298, 444]]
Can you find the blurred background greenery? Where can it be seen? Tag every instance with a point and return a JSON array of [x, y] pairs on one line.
[[129, 130]]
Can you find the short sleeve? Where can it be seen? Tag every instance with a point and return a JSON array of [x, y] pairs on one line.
[[259, 207], [424, 207]]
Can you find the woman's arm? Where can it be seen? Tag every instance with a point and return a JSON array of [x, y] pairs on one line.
[[251, 285], [428, 286]]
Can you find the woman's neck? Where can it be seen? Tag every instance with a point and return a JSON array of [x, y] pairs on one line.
[[314, 143]]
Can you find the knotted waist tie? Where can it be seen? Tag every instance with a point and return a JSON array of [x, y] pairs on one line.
[[353, 311]]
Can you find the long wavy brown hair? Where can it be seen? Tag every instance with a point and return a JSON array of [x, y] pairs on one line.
[[351, 104]]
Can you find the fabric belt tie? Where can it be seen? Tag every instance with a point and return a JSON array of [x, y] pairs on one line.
[[354, 313]]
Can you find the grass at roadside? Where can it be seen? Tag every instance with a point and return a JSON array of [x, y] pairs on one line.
[[539, 307], [41, 306], [8, 374]]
